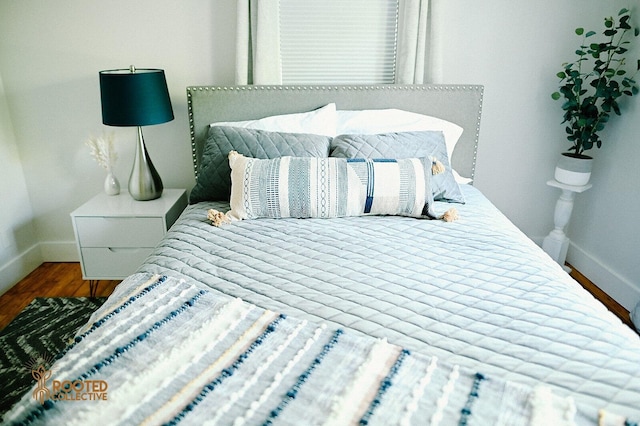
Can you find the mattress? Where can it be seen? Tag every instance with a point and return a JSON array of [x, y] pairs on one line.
[[476, 292]]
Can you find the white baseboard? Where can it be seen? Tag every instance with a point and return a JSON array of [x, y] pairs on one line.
[[622, 290], [19, 267]]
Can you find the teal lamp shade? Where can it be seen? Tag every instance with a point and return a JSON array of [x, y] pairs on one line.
[[137, 97], [134, 98]]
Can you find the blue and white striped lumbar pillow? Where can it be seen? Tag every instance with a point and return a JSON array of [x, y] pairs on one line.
[[327, 187]]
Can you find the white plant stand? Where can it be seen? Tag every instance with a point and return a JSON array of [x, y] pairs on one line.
[[557, 242]]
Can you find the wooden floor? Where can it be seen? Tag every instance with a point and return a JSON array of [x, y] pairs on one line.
[[65, 280], [603, 297], [48, 280]]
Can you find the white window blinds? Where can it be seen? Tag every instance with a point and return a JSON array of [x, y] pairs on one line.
[[338, 41]]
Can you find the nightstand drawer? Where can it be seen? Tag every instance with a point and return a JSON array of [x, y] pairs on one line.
[[112, 263], [115, 234], [119, 231]]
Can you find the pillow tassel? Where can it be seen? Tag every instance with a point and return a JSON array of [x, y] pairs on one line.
[[436, 167], [450, 215], [217, 218], [610, 419]]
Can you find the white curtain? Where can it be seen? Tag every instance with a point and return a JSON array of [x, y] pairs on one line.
[[258, 42], [412, 41]]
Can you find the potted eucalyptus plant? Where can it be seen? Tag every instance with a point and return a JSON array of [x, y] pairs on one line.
[[591, 88]]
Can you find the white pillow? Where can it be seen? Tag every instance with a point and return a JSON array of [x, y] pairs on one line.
[[374, 121], [321, 121], [460, 179]]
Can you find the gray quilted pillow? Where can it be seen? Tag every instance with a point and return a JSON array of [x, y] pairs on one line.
[[214, 173], [424, 144]]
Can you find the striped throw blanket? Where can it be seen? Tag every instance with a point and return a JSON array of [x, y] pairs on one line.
[[165, 351]]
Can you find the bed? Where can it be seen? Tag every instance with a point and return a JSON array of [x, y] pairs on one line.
[[354, 319]]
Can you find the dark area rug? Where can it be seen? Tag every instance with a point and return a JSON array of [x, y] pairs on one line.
[[42, 329]]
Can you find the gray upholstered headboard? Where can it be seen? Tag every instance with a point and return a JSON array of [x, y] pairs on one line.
[[460, 104]]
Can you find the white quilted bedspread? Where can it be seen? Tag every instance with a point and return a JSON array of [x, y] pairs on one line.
[[475, 292]]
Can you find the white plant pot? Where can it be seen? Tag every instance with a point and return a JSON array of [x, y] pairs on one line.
[[574, 171]]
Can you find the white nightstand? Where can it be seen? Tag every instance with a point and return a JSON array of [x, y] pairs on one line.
[[115, 234]]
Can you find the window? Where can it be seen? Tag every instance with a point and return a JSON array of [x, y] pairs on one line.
[[338, 41]]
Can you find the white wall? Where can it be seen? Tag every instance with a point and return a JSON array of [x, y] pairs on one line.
[[50, 55], [52, 50], [606, 229], [515, 49], [19, 252]]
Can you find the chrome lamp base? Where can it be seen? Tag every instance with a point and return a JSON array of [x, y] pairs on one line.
[[144, 183]]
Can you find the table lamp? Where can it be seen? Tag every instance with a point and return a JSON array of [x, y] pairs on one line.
[[137, 97]]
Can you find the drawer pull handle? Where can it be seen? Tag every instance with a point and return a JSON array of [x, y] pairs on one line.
[[122, 249]]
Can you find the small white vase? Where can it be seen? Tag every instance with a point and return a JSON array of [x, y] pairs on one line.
[[575, 171], [111, 184]]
